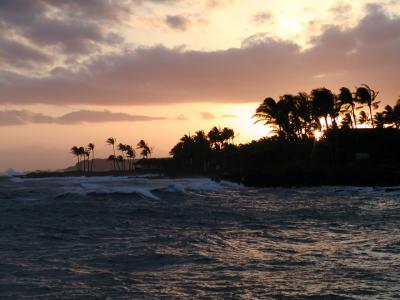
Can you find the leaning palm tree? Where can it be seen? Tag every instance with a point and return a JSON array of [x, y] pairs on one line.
[[75, 151], [366, 95], [145, 149], [347, 99], [111, 141], [90, 146], [130, 154], [276, 116]]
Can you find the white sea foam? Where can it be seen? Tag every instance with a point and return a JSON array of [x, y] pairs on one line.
[[205, 185], [126, 190], [17, 179]]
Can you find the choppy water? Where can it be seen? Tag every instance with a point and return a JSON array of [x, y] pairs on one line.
[[135, 238]]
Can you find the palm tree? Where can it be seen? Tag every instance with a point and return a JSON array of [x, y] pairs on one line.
[[347, 99], [362, 117], [113, 158], [379, 120], [227, 134], [111, 141], [323, 104], [366, 95], [146, 150], [81, 151], [347, 121], [75, 151], [130, 154], [392, 115], [396, 111], [122, 148], [303, 112], [86, 153], [276, 115], [90, 146]]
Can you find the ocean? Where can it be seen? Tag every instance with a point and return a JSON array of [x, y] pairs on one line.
[[151, 237]]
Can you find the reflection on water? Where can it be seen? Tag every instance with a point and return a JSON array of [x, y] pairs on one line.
[[149, 238]]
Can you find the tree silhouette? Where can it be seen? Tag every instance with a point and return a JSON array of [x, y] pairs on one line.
[[76, 152], [111, 141], [347, 99], [130, 154], [323, 104], [379, 120], [366, 95], [146, 150], [362, 117], [90, 146]]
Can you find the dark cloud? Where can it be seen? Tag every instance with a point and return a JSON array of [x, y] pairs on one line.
[[21, 117], [177, 22], [261, 67], [75, 27], [207, 116], [16, 54]]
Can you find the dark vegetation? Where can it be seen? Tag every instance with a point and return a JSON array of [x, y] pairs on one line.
[[355, 146], [320, 138]]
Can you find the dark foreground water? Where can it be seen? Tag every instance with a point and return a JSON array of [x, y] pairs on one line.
[[140, 238]]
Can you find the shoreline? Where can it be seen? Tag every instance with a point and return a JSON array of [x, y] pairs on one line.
[[291, 175]]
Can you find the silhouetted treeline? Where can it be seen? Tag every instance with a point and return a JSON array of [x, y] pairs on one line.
[[292, 154]]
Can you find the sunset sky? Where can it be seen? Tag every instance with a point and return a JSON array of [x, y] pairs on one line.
[[80, 71]]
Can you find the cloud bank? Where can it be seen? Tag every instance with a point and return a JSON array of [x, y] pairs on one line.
[[158, 75], [22, 117]]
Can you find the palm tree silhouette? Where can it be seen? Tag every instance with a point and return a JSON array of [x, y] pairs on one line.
[[81, 152], [130, 154], [86, 153], [145, 149], [111, 141], [362, 117], [347, 99], [112, 158], [122, 148], [276, 115], [90, 146], [379, 120], [323, 104], [75, 151], [366, 95]]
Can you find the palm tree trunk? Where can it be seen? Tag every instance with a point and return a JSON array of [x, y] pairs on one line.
[[115, 157], [370, 115], [354, 116], [91, 167]]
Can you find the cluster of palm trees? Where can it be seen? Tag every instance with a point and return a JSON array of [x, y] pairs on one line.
[[122, 162], [197, 150], [125, 160], [83, 155], [299, 116]]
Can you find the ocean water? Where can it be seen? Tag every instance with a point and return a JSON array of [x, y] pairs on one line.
[[146, 238]]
